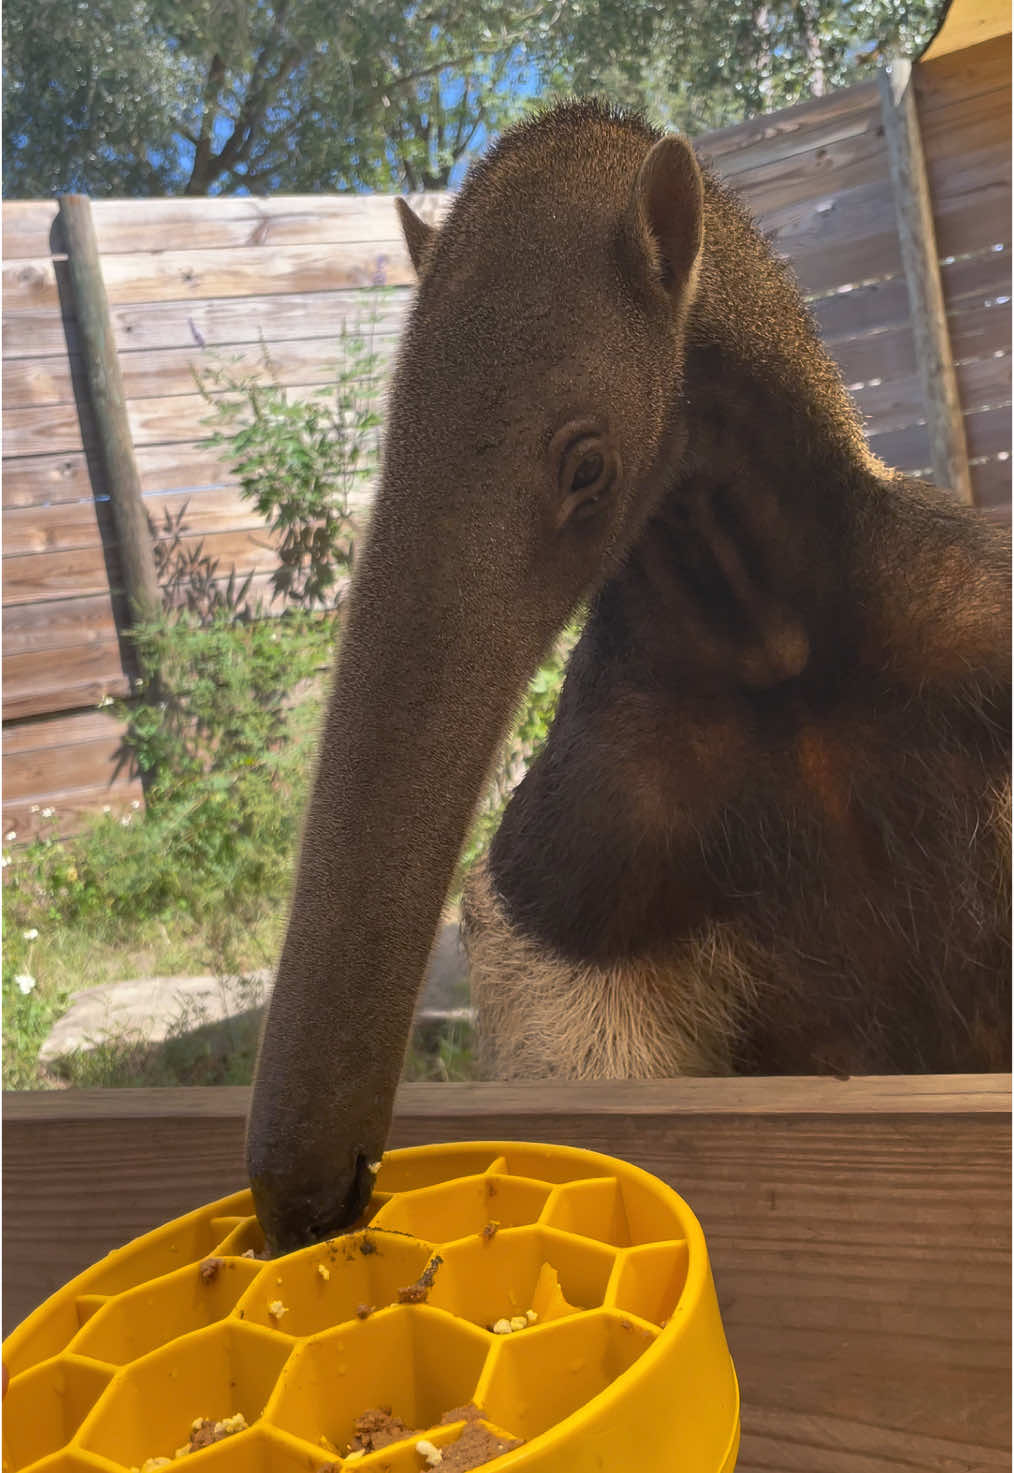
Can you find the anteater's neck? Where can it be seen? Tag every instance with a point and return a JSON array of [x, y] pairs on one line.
[[782, 554]]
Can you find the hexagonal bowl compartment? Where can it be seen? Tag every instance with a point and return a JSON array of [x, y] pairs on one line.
[[486, 1281], [45, 1406], [152, 1404], [131, 1324], [412, 1359], [649, 1281], [626, 1352], [536, 1380], [457, 1209], [334, 1282]]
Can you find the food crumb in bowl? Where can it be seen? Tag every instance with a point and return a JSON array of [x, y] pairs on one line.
[[209, 1270], [377, 1427], [477, 1444], [490, 1231], [418, 1292], [204, 1431], [276, 1309], [430, 1452], [323, 1271], [363, 1311]]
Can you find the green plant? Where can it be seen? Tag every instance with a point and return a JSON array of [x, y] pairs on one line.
[[28, 1014], [525, 741], [301, 464]]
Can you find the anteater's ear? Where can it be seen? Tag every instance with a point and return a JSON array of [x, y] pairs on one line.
[[418, 235], [666, 217]]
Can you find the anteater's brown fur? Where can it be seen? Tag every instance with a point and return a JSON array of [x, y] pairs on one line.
[[768, 831], [722, 863]]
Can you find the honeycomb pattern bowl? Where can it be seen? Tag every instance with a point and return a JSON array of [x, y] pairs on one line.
[[615, 1360]]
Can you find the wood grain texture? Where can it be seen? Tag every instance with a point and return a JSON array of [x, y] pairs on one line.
[[31, 382], [62, 679], [73, 808], [859, 1231], [31, 227]]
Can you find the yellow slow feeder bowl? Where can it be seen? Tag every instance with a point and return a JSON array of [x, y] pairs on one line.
[[616, 1359]]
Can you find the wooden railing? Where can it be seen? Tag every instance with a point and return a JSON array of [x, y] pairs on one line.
[[859, 1230]]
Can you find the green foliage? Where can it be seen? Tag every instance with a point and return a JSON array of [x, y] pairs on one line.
[[301, 465], [701, 65], [526, 739], [28, 1016], [148, 97]]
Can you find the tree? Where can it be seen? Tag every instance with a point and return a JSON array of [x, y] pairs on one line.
[[705, 64], [137, 97], [198, 96]]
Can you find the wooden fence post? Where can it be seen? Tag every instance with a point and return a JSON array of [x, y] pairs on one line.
[[919, 257], [105, 384]]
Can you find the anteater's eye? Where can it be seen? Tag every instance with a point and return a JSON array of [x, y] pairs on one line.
[[587, 473]]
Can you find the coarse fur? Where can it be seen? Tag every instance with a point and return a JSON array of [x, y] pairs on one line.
[[765, 833], [769, 830]]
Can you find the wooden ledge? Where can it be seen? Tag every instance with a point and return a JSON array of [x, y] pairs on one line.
[[859, 1230], [885, 1094]]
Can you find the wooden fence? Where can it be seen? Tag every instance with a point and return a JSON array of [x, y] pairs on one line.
[[859, 1231], [191, 278]]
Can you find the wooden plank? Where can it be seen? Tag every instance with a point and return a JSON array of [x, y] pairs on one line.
[[903, 450], [56, 624], [162, 420], [979, 124], [66, 680], [991, 483], [845, 163], [30, 776], [853, 238], [73, 809], [216, 323], [59, 575], [54, 479], [88, 524], [895, 403], [804, 126], [966, 68], [27, 226], [982, 333], [861, 1254], [223, 222], [988, 432], [971, 201], [161, 372], [847, 237], [41, 576], [968, 283], [174, 275], [60, 731], [35, 529], [53, 430]]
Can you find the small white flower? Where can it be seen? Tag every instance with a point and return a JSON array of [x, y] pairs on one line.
[[32, 935], [35, 808], [106, 808], [5, 861], [134, 803], [48, 812], [10, 837], [25, 983], [105, 701], [125, 819]]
